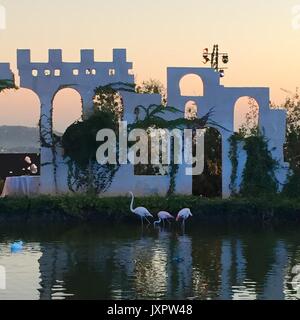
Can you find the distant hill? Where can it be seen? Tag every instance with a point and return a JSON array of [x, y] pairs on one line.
[[18, 139]]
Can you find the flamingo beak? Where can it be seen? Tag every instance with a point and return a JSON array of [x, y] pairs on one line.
[[177, 218]]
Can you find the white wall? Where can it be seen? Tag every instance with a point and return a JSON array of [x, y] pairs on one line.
[[46, 79]]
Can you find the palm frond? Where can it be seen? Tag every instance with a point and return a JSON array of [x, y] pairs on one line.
[[7, 84], [116, 86]]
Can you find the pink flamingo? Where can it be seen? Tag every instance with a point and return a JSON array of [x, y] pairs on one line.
[[183, 215], [163, 216]]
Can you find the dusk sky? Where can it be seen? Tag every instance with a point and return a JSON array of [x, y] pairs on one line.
[[259, 36]]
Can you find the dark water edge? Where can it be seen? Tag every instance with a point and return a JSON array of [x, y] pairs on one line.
[[98, 261], [57, 231], [67, 210], [74, 210]]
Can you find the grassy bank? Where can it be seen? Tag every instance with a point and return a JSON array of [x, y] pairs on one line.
[[64, 209]]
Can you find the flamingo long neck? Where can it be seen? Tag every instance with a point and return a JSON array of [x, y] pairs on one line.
[[157, 222], [131, 205]]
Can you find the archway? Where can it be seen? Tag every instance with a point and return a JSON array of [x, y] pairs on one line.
[[19, 108], [19, 119], [209, 183], [191, 85], [19, 132], [246, 114], [67, 108]]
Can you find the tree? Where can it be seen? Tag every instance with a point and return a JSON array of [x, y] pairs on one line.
[[292, 146], [250, 126], [153, 86]]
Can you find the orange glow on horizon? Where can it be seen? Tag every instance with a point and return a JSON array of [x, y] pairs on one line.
[[259, 38]]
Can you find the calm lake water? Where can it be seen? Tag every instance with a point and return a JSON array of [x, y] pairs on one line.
[[104, 262]]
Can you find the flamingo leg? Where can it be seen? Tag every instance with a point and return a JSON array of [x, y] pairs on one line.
[[163, 222], [147, 220], [142, 221], [169, 222]]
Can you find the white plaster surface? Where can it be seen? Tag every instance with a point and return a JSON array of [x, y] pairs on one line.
[[46, 79]]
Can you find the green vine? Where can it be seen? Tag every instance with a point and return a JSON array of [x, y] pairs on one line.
[[49, 140], [233, 156], [259, 173], [173, 174], [80, 146]]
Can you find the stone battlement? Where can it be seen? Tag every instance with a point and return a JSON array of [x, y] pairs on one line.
[[119, 69]]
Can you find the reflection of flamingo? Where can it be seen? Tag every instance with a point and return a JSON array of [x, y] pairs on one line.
[[183, 215], [142, 212], [183, 262], [163, 216]]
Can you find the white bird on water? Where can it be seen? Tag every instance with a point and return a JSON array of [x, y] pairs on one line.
[[142, 212], [163, 216], [183, 215]]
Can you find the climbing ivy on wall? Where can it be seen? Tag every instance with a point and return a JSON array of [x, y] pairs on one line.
[[173, 174], [80, 145], [259, 173], [292, 146], [153, 119], [234, 140]]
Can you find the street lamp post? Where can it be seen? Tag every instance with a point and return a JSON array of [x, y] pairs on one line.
[[214, 59]]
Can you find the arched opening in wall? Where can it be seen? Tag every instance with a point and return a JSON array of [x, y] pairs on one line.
[[191, 110], [67, 108], [191, 85], [209, 183], [19, 119], [19, 133], [246, 114]]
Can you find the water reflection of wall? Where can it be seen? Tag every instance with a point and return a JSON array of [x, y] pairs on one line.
[[155, 268], [80, 270], [53, 265], [206, 265], [167, 265], [183, 267], [144, 267], [226, 262], [275, 281], [253, 275], [234, 282]]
